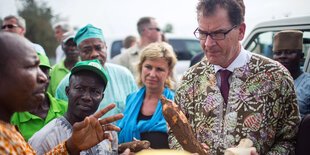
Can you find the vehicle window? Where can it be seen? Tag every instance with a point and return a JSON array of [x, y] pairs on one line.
[[116, 48], [263, 42], [185, 49]]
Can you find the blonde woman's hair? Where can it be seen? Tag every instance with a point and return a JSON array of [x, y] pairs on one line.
[[155, 51]]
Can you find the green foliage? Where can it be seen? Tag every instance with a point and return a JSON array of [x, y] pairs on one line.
[[168, 28], [38, 25]]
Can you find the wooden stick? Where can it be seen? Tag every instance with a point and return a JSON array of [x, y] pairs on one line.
[[180, 127], [134, 146]]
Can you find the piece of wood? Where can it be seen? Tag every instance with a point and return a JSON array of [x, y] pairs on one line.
[[180, 127], [134, 146]]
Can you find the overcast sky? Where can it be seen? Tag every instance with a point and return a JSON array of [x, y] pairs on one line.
[[119, 17]]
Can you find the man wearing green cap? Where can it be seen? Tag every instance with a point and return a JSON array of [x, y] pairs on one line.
[[50, 108], [87, 82], [61, 69], [91, 45]]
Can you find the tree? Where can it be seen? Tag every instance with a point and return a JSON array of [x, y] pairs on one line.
[[38, 25], [168, 28]]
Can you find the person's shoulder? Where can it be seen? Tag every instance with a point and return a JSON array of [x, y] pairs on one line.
[[306, 75], [39, 48], [202, 68], [56, 67], [40, 136], [60, 104], [134, 50], [304, 78], [269, 64], [15, 118], [21, 117], [136, 93], [45, 130]]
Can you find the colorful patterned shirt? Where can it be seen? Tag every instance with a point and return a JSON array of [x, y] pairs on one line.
[[12, 142], [262, 106]]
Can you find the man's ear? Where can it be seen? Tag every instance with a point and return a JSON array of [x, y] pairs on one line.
[[302, 55], [23, 30], [242, 28], [102, 96], [67, 90]]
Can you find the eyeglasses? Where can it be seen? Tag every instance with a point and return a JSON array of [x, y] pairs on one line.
[[154, 28], [10, 26], [201, 35]]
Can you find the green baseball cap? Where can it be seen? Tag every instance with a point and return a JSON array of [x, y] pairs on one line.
[[91, 65], [44, 60], [88, 31]]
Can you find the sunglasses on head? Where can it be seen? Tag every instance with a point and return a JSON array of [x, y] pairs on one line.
[[10, 26]]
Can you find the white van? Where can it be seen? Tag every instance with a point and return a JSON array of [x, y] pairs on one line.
[[260, 39], [184, 47]]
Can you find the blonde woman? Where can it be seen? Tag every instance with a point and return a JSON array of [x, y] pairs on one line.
[[143, 117]]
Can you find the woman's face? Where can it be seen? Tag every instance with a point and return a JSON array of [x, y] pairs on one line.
[[154, 73]]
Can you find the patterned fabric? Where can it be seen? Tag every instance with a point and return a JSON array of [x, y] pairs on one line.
[[28, 123], [130, 128], [59, 130], [302, 87], [13, 143], [121, 84], [262, 106]]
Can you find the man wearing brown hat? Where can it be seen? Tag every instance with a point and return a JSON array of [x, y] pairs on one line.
[[287, 49]]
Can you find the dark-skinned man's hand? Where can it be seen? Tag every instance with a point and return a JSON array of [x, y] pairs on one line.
[[90, 132]]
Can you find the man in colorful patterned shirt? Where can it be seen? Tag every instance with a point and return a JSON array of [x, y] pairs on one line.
[[256, 100], [287, 49], [20, 82]]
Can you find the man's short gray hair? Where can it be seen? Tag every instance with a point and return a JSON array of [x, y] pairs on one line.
[[20, 20], [64, 26]]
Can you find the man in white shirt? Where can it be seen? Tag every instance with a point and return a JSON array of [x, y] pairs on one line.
[[17, 24]]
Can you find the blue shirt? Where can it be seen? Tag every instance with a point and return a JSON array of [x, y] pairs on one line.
[[121, 83], [130, 128], [302, 88]]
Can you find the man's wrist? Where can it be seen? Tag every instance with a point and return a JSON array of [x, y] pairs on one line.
[[71, 148]]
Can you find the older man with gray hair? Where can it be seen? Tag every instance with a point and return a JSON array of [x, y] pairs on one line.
[[59, 29], [17, 24]]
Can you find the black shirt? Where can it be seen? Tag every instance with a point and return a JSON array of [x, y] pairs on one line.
[[158, 140]]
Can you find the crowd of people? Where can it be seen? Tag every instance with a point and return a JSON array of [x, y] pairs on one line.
[[86, 105]]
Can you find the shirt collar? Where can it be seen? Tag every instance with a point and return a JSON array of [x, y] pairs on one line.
[[243, 57], [26, 116]]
